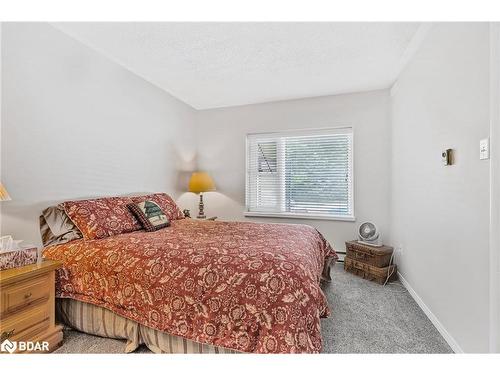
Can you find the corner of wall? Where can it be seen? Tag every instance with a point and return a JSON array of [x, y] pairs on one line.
[[410, 51]]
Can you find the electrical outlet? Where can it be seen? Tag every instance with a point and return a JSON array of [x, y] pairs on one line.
[[399, 249]]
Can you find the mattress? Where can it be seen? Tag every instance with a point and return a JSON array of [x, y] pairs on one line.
[[96, 320]]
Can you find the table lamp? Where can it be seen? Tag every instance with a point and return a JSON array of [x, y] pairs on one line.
[[4, 195], [200, 183]]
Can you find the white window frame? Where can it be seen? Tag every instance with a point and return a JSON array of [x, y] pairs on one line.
[[315, 216]]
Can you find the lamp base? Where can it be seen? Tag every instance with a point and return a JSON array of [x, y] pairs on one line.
[[201, 206]]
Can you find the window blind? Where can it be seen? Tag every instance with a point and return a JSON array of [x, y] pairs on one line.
[[300, 173]]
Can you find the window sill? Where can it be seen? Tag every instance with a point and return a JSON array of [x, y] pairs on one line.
[[299, 216]]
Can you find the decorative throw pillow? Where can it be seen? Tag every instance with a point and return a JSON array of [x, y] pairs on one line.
[[149, 215], [103, 217], [166, 203]]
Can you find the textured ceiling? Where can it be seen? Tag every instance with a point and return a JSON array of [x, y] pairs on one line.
[[211, 65]]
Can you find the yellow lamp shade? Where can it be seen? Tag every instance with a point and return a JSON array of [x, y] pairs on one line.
[[201, 182], [4, 195]]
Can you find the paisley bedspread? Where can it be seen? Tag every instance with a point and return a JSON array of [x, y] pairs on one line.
[[251, 287]]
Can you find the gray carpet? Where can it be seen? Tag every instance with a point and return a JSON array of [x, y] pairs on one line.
[[366, 318]]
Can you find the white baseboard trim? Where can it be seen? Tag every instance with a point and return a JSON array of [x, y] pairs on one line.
[[446, 335]]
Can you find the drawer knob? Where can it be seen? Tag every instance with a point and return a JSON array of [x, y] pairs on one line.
[[28, 295]]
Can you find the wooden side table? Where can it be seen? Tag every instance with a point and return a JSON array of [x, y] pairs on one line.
[[27, 308]]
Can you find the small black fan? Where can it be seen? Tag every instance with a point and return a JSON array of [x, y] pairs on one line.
[[368, 234]]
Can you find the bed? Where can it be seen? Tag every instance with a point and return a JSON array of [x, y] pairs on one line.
[[198, 286]]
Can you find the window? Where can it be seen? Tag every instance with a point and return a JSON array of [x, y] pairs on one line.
[[300, 174]]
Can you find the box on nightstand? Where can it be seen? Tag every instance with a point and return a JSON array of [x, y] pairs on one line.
[[377, 256], [18, 258], [370, 262]]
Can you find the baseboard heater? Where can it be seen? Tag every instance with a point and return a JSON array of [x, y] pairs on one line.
[[343, 253]]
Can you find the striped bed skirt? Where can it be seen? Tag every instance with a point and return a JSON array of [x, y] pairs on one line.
[[96, 320]]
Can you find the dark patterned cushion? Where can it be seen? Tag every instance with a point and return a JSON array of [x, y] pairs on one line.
[[166, 203], [149, 215]]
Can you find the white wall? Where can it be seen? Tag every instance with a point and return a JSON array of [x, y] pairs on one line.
[[495, 187], [75, 124], [0, 120], [440, 215], [221, 148]]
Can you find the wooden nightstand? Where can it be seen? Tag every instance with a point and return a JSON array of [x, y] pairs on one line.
[[27, 306]]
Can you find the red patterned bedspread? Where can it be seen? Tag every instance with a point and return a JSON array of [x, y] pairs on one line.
[[247, 286]]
